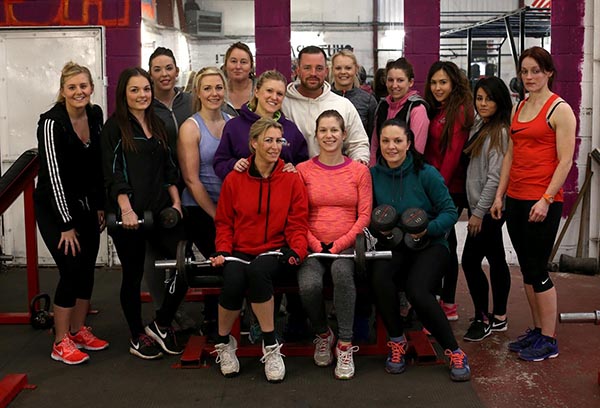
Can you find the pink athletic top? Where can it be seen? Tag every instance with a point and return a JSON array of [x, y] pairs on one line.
[[340, 200]]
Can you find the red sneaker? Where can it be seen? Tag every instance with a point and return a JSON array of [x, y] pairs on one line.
[[67, 352], [450, 311], [86, 340]]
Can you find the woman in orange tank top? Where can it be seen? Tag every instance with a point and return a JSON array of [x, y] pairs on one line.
[[536, 165]]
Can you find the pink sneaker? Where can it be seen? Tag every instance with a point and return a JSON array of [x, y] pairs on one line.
[[450, 311], [86, 340], [67, 352]]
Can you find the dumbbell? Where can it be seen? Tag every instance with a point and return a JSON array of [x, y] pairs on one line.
[[415, 221], [112, 224], [384, 221], [169, 217]]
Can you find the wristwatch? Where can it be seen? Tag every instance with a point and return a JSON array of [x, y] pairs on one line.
[[549, 199]]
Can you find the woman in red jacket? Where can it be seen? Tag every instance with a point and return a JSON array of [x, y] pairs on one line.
[[262, 209], [451, 114]]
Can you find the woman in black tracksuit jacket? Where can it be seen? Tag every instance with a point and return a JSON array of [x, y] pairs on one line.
[[68, 204], [140, 175]]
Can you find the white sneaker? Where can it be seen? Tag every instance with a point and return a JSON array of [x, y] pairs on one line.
[[226, 358], [344, 369], [273, 360], [323, 355]]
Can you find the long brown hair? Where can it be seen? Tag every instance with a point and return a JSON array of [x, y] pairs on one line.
[[153, 122], [498, 124], [460, 99]]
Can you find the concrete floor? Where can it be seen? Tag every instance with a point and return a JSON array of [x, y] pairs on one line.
[[499, 379]]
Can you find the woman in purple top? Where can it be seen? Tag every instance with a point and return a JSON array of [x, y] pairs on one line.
[[233, 149]]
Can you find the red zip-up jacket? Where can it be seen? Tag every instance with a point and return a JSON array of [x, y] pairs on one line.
[[256, 214]]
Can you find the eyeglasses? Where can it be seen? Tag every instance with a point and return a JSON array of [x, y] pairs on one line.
[[280, 141]]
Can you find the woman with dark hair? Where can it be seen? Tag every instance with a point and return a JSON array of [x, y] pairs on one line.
[[345, 82], [486, 147], [402, 103], [233, 150], [140, 175], [171, 104], [239, 71], [450, 112], [536, 165], [69, 202], [402, 180], [259, 210], [339, 207]]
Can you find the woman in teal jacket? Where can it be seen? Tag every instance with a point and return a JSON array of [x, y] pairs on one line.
[[402, 179]]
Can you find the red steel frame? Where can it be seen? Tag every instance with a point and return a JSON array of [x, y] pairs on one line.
[[25, 183]]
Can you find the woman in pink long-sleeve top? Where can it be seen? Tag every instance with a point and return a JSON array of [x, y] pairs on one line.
[[451, 114], [339, 207]]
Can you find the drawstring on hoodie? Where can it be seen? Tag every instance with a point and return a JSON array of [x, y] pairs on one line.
[[268, 209]]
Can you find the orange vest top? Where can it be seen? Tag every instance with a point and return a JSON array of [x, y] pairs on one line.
[[534, 155]]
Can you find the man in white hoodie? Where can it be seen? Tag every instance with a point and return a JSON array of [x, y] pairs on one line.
[[311, 94]]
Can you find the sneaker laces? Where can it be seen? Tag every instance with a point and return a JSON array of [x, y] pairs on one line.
[[68, 345], [345, 356], [270, 357], [224, 352], [456, 358], [322, 343], [86, 334], [146, 340], [528, 333], [397, 350]]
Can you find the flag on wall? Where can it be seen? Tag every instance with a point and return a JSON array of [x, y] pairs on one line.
[[149, 9]]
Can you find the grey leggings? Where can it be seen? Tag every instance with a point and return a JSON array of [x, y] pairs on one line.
[[310, 283]]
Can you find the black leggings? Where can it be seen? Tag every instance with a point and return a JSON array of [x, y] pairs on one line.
[[200, 230], [76, 272], [418, 273], [448, 292], [257, 278], [487, 244], [532, 241], [131, 248]]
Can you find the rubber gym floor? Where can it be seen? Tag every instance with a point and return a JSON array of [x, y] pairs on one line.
[[115, 378]]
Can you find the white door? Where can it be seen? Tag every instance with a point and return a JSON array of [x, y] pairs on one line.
[[30, 63]]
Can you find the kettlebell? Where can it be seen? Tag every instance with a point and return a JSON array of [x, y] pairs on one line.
[[39, 311]]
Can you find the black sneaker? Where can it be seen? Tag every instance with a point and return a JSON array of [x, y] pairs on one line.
[[498, 325], [144, 347], [478, 330], [165, 337]]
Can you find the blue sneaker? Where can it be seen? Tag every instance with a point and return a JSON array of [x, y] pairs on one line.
[[395, 363], [544, 348], [459, 365], [525, 340]]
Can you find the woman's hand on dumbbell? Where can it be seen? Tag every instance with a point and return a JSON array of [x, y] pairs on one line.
[[474, 225], [70, 241], [419, 235], [241, 165], [177, 206], [129, 219], [218, 258]]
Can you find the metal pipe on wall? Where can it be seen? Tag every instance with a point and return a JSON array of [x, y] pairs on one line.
[[375, 36]]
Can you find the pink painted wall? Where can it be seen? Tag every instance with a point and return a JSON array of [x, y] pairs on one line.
[[567, 52], [272, 21], [422, 37]]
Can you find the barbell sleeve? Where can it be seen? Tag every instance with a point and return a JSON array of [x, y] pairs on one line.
[[368, 255], [593, 317]]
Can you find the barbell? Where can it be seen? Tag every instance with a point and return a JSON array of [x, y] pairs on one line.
[[187, 268], [593, 317]]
